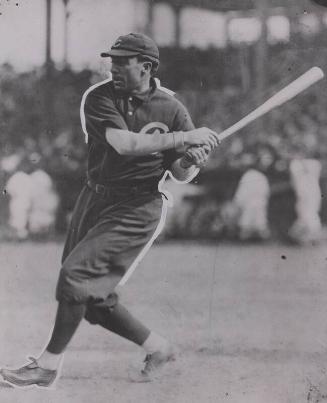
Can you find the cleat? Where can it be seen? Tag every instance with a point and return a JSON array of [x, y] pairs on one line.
[[30, 374], [154, 363]]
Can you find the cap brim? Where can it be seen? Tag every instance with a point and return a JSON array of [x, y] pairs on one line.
[[119, 53]]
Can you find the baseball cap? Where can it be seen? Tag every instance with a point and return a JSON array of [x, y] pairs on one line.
[[133, 45]]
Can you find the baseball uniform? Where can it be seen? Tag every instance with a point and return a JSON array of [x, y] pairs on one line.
[[120, 207]]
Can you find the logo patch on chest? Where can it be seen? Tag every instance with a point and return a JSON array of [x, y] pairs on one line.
[[154, 128]]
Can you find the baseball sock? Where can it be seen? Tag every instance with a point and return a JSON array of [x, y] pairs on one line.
[[68, 318], [120, 321], [49, 361], [154, 343]]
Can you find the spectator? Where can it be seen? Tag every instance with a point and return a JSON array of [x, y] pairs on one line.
[[44, 203], [19, 189], [33, 201], [248, 209]]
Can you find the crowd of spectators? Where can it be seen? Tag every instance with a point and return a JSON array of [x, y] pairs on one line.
[[215, 98]]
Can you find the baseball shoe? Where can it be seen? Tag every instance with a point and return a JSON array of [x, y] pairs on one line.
[[154, 363], [30, 374]]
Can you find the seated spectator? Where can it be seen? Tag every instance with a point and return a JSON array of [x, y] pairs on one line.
[[19, 189], [33, 201], [44, 203], [248, 209]]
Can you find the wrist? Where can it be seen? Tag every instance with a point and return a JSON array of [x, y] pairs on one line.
[[178, 139]]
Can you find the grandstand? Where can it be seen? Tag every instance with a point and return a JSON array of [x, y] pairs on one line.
[[219, 84]]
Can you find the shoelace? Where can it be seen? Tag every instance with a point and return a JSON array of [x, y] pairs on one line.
[[33, 362], [148, 363]]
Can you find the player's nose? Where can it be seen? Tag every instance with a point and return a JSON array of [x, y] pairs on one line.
[[115, 69]]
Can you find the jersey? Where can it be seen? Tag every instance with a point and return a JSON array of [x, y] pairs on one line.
[[156, 110]]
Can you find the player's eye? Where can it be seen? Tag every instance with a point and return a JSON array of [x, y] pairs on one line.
[[120, 61]]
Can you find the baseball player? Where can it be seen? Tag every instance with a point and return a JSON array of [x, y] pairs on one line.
[[136, 131]]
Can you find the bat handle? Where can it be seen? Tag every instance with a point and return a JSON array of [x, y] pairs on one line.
[[188, 157]]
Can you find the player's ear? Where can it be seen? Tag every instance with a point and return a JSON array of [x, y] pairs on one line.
[[147, 66]]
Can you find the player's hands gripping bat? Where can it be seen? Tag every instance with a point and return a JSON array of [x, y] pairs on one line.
[[196, 155], [290, 91]]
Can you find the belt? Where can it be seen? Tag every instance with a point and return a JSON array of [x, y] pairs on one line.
[[127, 190]]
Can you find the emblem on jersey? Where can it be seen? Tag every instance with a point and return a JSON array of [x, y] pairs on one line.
[[154, 128]]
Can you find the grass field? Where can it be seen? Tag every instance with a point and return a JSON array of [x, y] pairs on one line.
[[249, 322]]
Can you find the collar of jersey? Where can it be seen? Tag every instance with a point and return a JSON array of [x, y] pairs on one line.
[[146, 96]]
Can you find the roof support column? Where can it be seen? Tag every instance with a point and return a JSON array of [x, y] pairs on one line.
[[261, 64], [177, 9], [149, 24]]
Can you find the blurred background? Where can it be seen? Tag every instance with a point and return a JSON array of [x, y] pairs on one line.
[[222, 58]]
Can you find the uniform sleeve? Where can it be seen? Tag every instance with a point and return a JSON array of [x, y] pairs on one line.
[[100, 112], [182, 122]]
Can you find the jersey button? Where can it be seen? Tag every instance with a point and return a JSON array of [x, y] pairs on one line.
[[130, 113], [130, 99]]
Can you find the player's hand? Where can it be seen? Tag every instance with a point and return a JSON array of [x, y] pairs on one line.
[[195, 155], [202, 137]]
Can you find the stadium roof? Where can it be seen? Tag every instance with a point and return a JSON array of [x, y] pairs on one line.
[[234, 5]]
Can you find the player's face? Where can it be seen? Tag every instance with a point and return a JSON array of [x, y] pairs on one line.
[[127, 73]]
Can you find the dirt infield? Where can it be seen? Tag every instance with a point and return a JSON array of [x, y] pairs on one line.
[[249, 322]]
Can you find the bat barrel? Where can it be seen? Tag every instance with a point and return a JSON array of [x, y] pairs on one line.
[[290, 91]]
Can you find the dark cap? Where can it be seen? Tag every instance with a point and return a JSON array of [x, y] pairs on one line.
[[133, 45]]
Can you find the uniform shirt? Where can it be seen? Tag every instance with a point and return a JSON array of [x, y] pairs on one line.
[[153, 111]]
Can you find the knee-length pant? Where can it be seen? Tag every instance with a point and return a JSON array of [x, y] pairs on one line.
[[107, 236]]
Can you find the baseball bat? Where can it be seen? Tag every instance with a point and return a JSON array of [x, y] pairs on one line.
[[290, 91]]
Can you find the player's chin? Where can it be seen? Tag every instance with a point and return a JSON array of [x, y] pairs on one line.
[[119, 85]]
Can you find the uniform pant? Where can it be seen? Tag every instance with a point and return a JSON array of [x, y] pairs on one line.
[[106, 236]]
